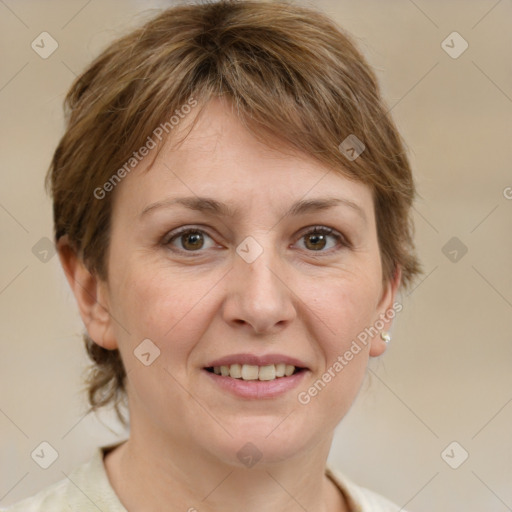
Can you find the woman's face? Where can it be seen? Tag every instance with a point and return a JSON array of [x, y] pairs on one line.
[[251, 284]]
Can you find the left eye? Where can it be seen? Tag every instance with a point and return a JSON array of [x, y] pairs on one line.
[[192, 239]]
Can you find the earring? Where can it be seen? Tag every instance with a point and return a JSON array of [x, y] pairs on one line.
[[385, 336]]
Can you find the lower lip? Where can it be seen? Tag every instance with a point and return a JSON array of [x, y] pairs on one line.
[[257, 389]]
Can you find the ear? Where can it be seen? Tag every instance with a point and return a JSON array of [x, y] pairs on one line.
[[91, 294], [385, 306]]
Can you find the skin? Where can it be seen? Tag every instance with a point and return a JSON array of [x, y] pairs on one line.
[[300, 297]]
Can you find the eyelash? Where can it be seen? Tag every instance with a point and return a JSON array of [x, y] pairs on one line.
[[317, 230]]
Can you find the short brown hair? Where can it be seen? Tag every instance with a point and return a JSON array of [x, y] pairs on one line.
[[289, 71]]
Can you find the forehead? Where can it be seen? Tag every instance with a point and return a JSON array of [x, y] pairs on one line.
[[218, 157]]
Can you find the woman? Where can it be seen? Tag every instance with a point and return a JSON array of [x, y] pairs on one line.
[[232, 211]]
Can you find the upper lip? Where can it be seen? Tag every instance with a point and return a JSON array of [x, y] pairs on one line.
[[253, 359]]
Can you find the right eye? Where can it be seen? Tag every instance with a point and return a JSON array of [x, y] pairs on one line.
[[190, 239]]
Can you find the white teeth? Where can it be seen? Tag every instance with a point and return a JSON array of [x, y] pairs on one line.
[[253, 372], [249, 372], [235, 371], [280, 368], [267, 372]]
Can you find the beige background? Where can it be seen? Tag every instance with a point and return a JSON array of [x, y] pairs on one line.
[[447, 374]]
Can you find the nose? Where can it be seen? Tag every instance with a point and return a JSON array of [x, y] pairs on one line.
[[260, 295]]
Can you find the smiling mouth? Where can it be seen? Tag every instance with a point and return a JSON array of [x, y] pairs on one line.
[[250, 372]]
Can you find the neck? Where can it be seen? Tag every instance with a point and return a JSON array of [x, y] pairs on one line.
[[150, 476]]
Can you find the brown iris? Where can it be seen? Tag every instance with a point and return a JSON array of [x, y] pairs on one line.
[[195, 238], [315, 237]]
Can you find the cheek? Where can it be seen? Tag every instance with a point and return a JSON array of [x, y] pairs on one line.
[[173, 312], [171, 309], [341, 312], [344, 307]]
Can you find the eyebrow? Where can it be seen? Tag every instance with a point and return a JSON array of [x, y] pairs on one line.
[[214, 207]]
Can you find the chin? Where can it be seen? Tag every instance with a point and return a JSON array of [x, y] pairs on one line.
[[258, 441]]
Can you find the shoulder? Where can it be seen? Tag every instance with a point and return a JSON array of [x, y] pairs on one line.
[[360, 498], [51, 498], [86, 488]]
